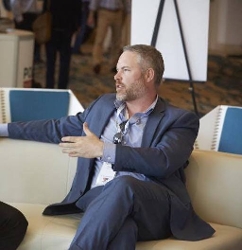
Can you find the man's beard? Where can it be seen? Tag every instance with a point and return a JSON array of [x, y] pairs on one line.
[[137, 90]]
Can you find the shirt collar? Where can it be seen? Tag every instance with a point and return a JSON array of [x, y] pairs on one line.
[[119, 105]]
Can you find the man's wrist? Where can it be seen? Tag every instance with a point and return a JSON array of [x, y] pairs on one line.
[[109, 152]]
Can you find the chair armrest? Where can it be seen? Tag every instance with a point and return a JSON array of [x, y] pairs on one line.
[[34, 172], [214, 182]]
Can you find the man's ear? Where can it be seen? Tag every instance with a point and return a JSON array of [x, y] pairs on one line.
[[149, 75]]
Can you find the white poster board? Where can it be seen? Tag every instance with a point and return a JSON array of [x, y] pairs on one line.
[[194, 16]]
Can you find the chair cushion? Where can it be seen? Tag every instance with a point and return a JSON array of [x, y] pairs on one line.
[[57, 232], [47, 232], [225, 238]]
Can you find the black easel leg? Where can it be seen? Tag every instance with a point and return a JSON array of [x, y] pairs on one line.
[[191, 88], [157, 23]]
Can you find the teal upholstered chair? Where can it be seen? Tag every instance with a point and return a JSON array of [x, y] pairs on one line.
[[23, 104]]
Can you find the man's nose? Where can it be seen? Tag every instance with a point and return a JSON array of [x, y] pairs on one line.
[[116, 75]]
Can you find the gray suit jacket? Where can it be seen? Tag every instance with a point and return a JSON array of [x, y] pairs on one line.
[[167, 143]]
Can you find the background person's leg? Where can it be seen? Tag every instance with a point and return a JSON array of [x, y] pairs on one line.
[[65, 60], [101, 32], [51, 54]]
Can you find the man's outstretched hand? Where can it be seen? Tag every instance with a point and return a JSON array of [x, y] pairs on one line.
[[89, 146]]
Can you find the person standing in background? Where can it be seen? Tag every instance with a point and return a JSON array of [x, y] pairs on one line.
[[65, 21], [110, 13], [24, 13]]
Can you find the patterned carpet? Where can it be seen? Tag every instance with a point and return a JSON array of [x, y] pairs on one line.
[[223, 87]]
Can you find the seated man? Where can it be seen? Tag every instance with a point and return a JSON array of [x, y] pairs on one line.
[[132, 147], [13, 226]]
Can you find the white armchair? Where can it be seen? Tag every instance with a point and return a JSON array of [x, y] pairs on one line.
[[35, 174]]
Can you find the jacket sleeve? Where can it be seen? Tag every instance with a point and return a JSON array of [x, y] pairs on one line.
[[47, 130]]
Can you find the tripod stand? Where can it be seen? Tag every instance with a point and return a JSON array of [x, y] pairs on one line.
[[154, 40]]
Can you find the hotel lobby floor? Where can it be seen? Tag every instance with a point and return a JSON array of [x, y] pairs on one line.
[[223, 86]]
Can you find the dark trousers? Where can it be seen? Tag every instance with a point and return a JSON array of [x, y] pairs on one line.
[[13, 226], [26, 24], [60, 43], [84, 31], [120, 213]]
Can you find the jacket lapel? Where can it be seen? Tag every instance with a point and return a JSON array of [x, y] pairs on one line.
[[153, 121], [101, 117]]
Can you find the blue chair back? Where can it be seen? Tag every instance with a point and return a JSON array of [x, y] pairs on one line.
[[26, 105], [231, 135]]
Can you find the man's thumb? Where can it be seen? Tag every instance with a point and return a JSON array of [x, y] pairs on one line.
[[86, 129]]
